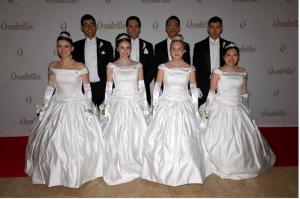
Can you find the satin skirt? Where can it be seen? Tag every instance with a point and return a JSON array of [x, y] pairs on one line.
[[124, 140], [173, 146], [66, 146], [234, 144]]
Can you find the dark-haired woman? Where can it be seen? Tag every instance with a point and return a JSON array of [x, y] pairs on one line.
[[127, 107], [65, 146], [235, 147]]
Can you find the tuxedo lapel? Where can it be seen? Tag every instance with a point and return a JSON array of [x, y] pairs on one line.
[[207, 53], [141, 53], [98, 52], [81, 51]]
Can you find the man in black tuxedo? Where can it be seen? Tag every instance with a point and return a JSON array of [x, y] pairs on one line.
[[95, 53], [141, 51], [162, 49], [208, 55]]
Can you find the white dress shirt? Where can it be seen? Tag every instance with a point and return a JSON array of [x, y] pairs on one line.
[[169, 45], [90, 57], [214, 49], [135, 50]]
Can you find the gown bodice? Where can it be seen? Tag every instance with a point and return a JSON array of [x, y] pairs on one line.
[[68, 82], [229, 86], [125, 80], [176, 82]]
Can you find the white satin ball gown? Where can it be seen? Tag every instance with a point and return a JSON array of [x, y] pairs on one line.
[[234, 144], [125, 128], [173, 149], [66, 146]]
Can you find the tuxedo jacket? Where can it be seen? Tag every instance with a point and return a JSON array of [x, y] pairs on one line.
[[201, 61], [104, 55], [161, 54]]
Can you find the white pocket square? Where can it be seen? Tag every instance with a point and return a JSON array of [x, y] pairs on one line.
[[146, 51], [103, 52]]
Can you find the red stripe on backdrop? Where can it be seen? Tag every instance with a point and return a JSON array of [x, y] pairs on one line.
[[283, 141]]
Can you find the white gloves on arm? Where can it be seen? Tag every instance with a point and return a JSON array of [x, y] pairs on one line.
[[142, 91], [50, 88], [155, 96], [88, 98], [245, 101], [196, 93]]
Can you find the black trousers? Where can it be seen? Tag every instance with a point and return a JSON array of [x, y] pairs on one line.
[[98, 92]]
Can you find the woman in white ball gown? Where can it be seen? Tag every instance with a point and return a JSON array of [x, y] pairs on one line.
[[127, 108], [235, 147], [173, 149], [65, 146]]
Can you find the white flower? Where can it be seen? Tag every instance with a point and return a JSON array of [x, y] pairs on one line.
[[39, 108], [103, 110], [223, 45], [144, 46], [100, 44]]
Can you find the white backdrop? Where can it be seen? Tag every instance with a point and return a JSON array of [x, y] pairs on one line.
[[266, 31]]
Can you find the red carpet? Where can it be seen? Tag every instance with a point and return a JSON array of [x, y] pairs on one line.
[[283, 141]]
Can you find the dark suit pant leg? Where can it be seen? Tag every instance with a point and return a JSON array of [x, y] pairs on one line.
[[148, 93], [98, 92]]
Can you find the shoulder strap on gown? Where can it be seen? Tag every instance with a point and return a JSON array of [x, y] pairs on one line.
[[84, 71], [218, 71]]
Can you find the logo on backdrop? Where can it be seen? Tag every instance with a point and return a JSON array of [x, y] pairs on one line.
[[16, 26], [282, 47], [290, 23], [20, 52], [63, 26], [112, 25], [280, 70], [243, 24], [25, 76], [247, 48], [190, 24], [28, 99], [246, 1], [155, 25], [276, 93], [273, 113], [155, 1], [26, 122], [62, 1]]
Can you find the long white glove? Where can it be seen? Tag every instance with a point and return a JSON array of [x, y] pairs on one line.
[[104, 108], [88, 98], [47, 98], [207, 105], [196, 93], [142, 91], [155, 96], [245, 101], [205, 108]]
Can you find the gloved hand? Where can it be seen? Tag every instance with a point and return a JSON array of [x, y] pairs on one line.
[[50, 88], [88, 98], [143, 95], [245, 101], [196, 93], [155, 100], [108, 95]]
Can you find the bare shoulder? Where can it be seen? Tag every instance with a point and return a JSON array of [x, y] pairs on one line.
[[241, 69], [54, 64], [79, 65], [186, 65], [134, 62]]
